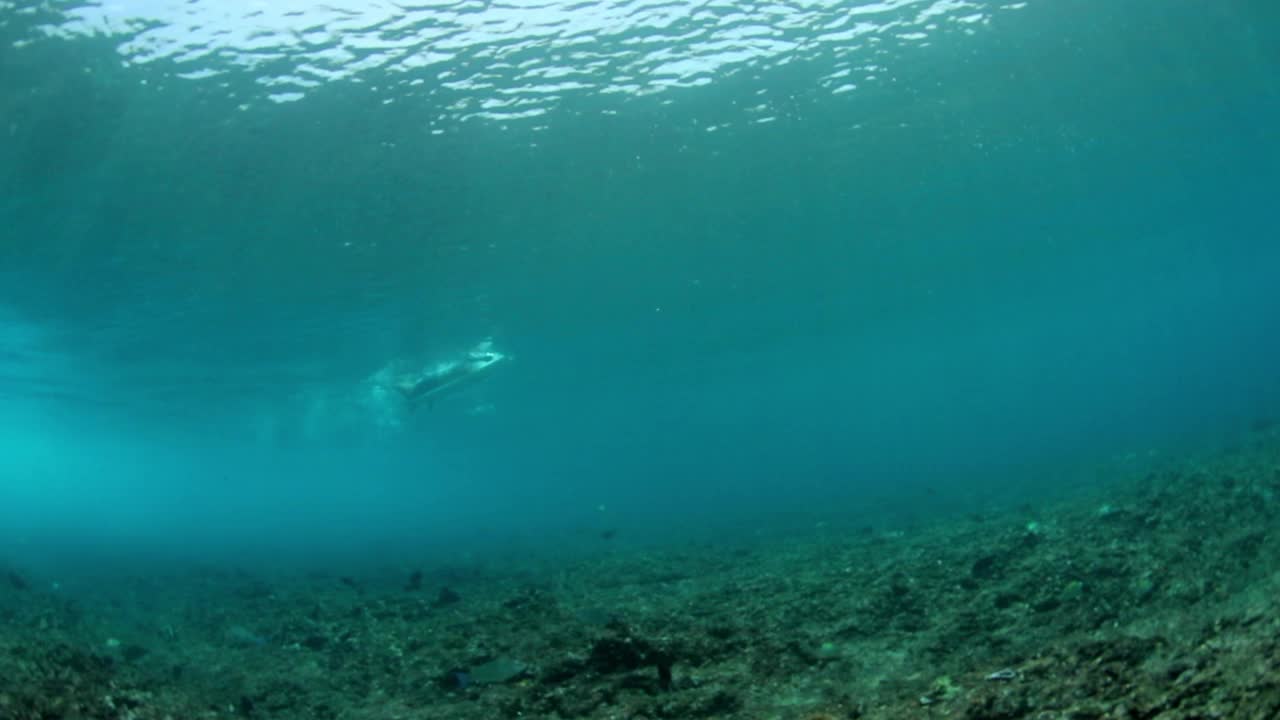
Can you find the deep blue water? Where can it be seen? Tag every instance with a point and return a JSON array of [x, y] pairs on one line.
[[756, 264]]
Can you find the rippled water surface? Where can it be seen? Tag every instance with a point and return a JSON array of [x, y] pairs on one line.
[[506, 61]]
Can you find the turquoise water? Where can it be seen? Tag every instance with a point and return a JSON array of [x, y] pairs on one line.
[[755, 264]]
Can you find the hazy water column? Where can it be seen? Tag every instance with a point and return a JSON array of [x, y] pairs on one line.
[[739, 251]]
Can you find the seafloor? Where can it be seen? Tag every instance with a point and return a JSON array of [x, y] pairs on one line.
[[1154, 594]]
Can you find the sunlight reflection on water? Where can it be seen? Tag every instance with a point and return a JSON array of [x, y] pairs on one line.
[[520, 58]]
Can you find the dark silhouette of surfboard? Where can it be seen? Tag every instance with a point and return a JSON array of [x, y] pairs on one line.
[[431, 386]]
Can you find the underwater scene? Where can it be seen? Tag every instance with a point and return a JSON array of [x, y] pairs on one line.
[[639, 359]]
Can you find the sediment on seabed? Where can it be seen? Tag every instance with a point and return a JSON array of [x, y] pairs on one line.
[[1152, 595]]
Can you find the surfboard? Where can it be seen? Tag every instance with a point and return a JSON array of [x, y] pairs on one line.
[[446, 378]]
